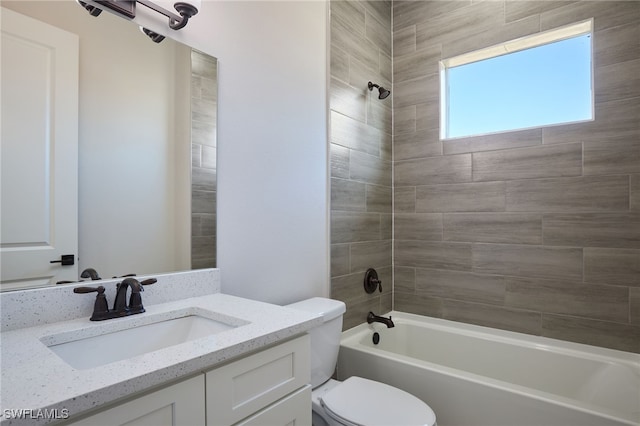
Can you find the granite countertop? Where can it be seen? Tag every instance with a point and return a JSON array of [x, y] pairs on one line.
[[35, 378]]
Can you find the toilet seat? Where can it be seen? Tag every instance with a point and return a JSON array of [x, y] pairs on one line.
[[363, 402]]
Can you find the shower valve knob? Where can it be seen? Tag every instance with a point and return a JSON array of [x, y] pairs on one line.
[[371, 281]]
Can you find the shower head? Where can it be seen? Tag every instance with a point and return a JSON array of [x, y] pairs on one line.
[[383, 93]]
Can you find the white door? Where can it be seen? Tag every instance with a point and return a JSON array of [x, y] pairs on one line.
[[39, 155]]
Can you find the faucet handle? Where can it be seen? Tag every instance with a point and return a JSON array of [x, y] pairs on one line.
[[149, 281], [371, 281], [99, 289], [100, 307]]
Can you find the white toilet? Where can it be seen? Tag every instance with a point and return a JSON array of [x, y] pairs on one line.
[[356, 401]]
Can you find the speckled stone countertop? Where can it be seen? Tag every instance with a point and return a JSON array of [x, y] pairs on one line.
[[33, 377]]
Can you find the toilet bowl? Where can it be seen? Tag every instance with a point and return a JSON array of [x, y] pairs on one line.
[[356, 401]]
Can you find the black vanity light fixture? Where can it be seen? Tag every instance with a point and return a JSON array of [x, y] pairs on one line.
[[383, 93], [127, 9]]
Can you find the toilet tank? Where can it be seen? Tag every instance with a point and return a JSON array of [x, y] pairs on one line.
[[325, 338]]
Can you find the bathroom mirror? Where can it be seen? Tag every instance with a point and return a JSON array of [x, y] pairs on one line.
[[146, 145]]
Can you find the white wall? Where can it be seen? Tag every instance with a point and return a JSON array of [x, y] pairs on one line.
[[272, 145], [272, 142]]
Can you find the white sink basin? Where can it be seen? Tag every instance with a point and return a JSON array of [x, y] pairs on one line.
[[119, 345]]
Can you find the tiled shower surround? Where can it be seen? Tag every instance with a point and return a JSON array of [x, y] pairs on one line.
[[536, 231], [361, 213], [204, 98]]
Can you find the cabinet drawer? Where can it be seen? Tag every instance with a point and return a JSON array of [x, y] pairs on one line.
[[243, 387], [294, 410], [178, 405]]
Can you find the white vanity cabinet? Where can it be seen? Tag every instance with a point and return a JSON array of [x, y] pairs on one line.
[[244, 387], [178, 404], [269, 387]]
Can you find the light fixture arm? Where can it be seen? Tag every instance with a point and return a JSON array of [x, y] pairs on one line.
[[176, 22]]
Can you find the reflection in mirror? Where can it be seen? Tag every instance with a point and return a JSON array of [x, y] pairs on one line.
[[204, 98], [142, 208]]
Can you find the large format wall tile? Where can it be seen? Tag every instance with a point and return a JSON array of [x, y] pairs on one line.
[[634, 300], [471, 197], [617, 81], [432, 170], [404, 199], [370, 169], [347, 195], [418, 91], [609, 303], [634, 192], [528, 261], [621, 230], [527, 163], [417, 304], [505, 140], [339, 161], [607, 14], [522, 321], [422, 143], [378, 199], [617, 44], [491, 36], [404, 41], [514, 228], [619, 336], [612, 157], [469, 20], [612, 266], [340, 261], [460, 285], [404, 279], [434, 255], [354, 227], [347, 101], [416, 64], [515, 10], [588, 194], [355, 134], [371, 253], [418, 226], [613, 119]]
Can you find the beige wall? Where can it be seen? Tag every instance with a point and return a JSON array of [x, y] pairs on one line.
[[536, 231]]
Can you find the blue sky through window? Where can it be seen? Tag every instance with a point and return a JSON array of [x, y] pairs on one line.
[[539, 86]]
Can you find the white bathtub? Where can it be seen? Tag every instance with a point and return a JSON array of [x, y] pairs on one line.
[[478, 376]]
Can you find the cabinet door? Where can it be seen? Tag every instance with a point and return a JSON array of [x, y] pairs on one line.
[[181, 404], [244, 387], [294, 410]]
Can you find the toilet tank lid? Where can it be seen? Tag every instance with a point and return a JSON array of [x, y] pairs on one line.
[[328, 308]]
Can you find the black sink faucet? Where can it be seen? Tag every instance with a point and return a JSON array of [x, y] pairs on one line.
[[120, 307], [371, 317], [120, 303], [90, 273]]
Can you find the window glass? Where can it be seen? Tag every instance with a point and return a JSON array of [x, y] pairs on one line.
[[548, 84]]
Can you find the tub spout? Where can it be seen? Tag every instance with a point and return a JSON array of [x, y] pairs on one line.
[[371, 317]]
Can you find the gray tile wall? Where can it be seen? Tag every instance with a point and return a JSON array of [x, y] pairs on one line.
[[204, 96], [360, 149], [536, 231]]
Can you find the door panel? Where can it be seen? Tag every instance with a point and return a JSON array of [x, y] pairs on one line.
[[39, 205]]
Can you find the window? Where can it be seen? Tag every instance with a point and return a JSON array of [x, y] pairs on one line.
[[540, 80]]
